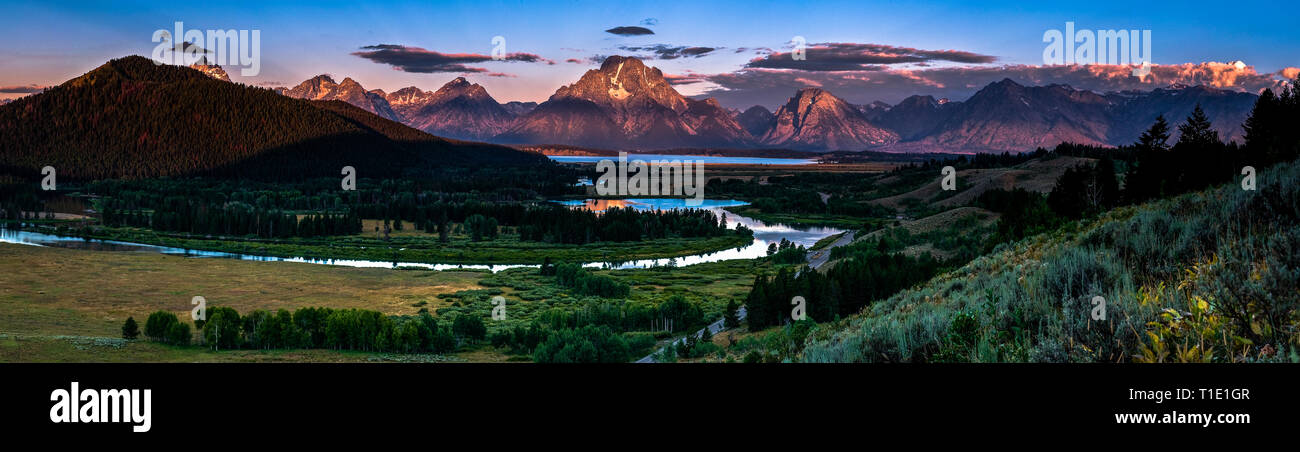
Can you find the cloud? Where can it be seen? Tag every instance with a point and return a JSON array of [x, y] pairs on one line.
[[21, 89], [838, 56], [418, 60], [574, 61], [668, 52], [770, 87], [630, 31], [649, 21], [685, 79], [183, 46]]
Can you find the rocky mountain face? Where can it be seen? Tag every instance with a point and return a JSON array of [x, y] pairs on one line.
[[873, 111], [815, 119], [1008, 117], [323, 87], [1133, 112], [914, 117], [211, 70], [626, 104], [518, 108], [756, 120], [407, 100], [459, 109]]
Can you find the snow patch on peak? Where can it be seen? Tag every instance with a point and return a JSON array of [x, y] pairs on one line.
[[620, 93]]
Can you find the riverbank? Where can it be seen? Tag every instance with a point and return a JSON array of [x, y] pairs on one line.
[[420, 249]]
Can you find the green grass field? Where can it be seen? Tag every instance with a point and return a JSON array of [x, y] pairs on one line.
[[68, 305]]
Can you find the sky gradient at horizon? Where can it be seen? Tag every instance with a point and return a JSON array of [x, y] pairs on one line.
[[47, 43]]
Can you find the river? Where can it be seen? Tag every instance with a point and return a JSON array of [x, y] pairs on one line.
[[707, 159], [764, 234]]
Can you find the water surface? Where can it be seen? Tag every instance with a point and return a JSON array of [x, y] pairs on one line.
[[764, 235], [670, 157]]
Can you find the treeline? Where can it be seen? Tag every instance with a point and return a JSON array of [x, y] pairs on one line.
[[178, 214], [371, 331], [862, 278], [213, 206], [1082, 191], [977, 161], [575, 226], [608, 331], [598, 330], [786, 252], [801, 193], [322, 328], [1200, 159], [538, 223], [1155, 169]]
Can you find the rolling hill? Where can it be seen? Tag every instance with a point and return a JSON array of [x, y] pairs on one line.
[[131, 118], [1172, 273]]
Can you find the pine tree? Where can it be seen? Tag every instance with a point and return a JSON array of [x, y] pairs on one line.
[[1156, 138], [1259, 128], [731, 319], [130, 330], [1105, 183], [1144, 180], [1198, 130]]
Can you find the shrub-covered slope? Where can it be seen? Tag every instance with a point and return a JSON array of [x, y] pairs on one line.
[[1206, 276]]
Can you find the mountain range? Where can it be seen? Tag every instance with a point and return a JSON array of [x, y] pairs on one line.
[[132, 118], [625, 104], [1007, 116]]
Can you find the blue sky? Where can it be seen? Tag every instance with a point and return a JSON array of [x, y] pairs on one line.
[[47, 42]]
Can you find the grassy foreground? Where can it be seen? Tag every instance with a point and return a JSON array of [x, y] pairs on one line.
[[68, 305], [46, 293]]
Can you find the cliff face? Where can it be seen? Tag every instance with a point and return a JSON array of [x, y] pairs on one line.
[[816, 119], [639, 109]]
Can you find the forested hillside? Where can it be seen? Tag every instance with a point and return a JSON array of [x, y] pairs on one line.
[[1181, 275], [131, 118]]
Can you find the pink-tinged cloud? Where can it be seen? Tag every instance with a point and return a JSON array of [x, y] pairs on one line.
[[842, 56], [772, 87], [419, 60], [21, 89], [684, 79]]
